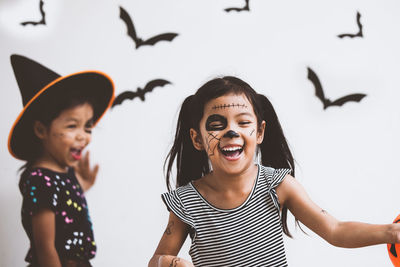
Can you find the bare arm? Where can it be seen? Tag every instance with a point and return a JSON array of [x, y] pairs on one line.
[[171, 242], [44, 233], [337, 233]]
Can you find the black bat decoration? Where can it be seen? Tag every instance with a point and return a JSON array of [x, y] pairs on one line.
[[140, 92], [138, 41], [42, 21], [360, 29], [321, 96], [238, 9], [392, 246]]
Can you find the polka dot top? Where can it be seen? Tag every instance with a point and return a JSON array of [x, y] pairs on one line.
[[60, 192]]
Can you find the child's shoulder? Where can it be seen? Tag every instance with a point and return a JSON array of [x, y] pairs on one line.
[[181, 194], [181, 189], [41, 175], [42, 171], [273, 176], [273, 170]]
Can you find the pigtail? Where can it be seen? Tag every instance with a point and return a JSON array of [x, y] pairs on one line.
[[274, 149], [190, 163]]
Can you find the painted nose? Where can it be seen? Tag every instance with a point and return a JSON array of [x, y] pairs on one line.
[[231, 134]]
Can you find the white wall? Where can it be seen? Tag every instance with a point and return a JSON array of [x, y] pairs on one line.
[[347, 157]]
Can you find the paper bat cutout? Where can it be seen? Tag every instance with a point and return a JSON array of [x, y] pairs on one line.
[[42, 21], [140, 92], [360, 27], [325, 101], [238, 9], [138, 41]]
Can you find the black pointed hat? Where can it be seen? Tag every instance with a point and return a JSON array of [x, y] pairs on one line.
[[38, 83]]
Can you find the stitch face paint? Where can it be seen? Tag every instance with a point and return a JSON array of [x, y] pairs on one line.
[[232, 105]]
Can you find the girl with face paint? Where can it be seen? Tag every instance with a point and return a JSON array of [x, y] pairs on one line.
[[235, 183], [50, 135]]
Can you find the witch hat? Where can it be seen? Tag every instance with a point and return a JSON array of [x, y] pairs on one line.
[[38, 84]]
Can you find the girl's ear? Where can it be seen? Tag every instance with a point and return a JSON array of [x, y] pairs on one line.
[[196, 139], [39, 129], [260, 132]]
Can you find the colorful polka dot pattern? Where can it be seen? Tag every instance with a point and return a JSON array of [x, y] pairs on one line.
[[60, 192]]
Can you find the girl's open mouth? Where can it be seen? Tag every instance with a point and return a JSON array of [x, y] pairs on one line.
[[76, 153], [231, 152]]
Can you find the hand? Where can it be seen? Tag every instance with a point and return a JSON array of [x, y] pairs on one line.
[[173, 262], [168, 261], [85, 174], [396, 233]]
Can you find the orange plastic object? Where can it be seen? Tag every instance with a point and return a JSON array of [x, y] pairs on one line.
[[394, 249]]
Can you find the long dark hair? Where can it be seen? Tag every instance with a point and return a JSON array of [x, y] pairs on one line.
[[192, 164]]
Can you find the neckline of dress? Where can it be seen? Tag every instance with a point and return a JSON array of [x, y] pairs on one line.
[[236, 208]]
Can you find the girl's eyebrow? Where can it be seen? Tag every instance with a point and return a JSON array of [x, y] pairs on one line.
[[244, 114], [71, 119]]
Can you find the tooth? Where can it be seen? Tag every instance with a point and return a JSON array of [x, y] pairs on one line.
[[231, 148]]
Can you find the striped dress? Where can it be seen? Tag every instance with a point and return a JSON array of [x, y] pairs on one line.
[[249, 235]]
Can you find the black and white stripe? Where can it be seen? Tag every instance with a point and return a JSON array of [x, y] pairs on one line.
[[249, 235]]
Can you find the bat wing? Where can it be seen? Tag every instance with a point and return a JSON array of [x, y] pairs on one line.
[[346, 35], [41, 4], [359, 34], [232, 9], [155, 83], [348, 98], [139, 93], [360, 26], [245, 8], [317, 84], [123, 96], [42, 21], [359, 20], [32, 23], [161, 37], [123, 14]]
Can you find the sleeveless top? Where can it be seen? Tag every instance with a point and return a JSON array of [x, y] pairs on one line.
[[249, 235]]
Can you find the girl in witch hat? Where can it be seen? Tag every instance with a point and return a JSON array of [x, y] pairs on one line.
[[50, 135]]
